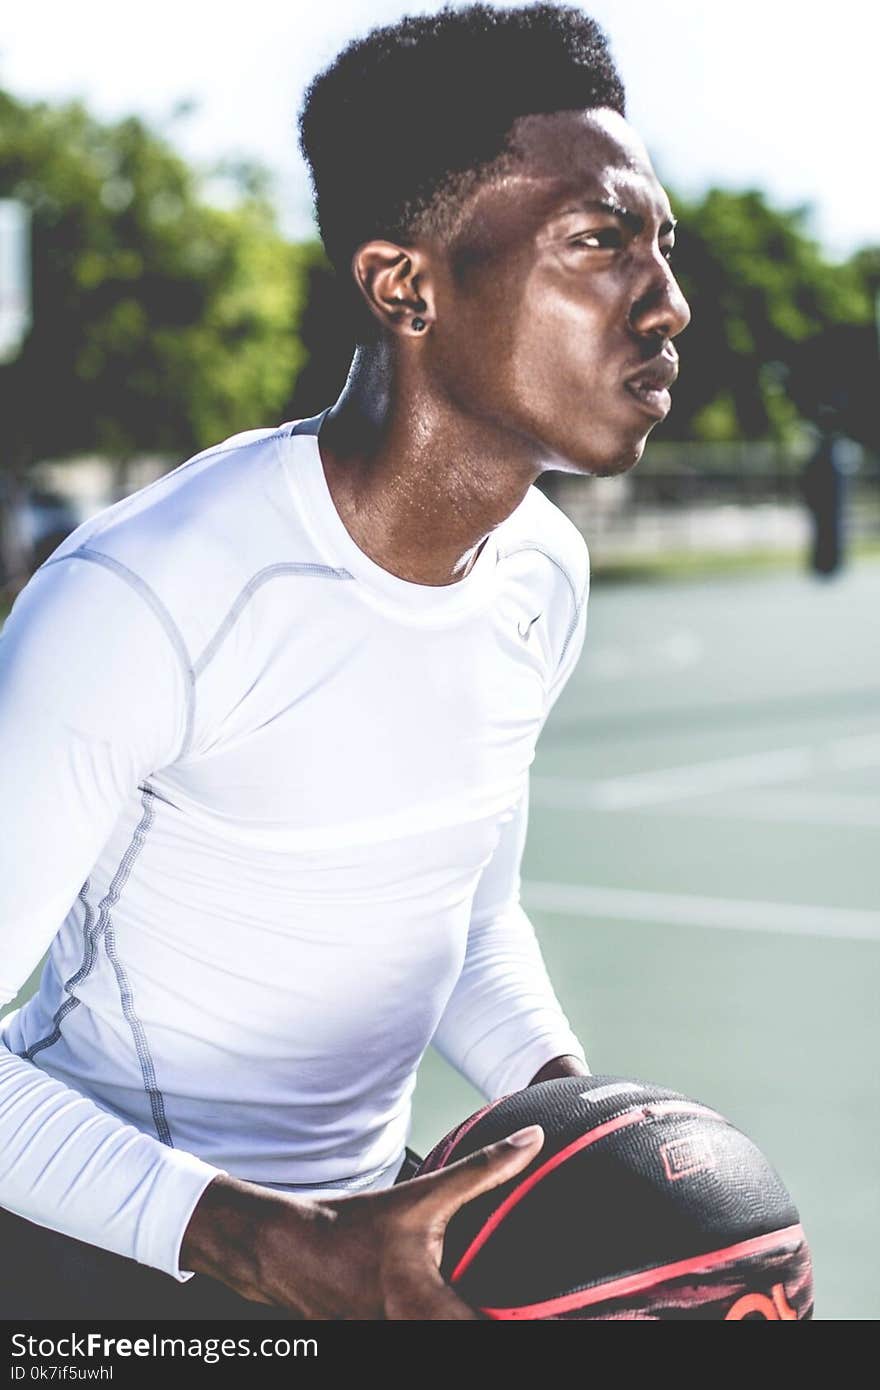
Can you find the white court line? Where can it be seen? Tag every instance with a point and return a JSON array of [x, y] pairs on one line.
[[863, 751], [676, 651], [724, 914], [703, 779], [812, 809]]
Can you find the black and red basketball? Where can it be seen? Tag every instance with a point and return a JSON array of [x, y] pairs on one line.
[[641, 1204]]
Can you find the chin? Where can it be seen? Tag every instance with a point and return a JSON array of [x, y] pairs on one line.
[[608, 465]]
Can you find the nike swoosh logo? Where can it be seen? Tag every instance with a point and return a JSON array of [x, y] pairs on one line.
[[525, 631]]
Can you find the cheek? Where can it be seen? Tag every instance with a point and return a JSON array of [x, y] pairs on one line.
[[564, 365], [476, 349], [526, 349], [558, 349], [493, 317]]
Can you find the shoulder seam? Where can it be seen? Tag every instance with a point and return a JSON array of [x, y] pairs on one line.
[[157, 607], [241, 600], [577, 600]]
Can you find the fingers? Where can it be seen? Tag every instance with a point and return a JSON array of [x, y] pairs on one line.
[[414, 1286], [449, 1188]]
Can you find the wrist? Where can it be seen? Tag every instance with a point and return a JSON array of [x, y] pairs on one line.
[[227, 1233], [568, 1065]]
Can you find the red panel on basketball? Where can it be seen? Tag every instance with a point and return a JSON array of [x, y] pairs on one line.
[[641, 1204]]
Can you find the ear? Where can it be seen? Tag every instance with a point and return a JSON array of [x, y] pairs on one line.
[[396, 285]]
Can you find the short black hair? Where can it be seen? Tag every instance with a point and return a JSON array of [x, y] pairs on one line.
[[408, 117]]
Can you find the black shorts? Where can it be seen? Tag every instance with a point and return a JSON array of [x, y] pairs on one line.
[[44, 1275]]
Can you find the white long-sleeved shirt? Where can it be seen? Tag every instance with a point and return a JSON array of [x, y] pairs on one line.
[[265, 805]]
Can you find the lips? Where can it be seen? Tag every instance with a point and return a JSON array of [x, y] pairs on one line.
[[650, 386]]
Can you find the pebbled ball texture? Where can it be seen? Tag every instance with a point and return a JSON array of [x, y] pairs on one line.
[[641, 1204]]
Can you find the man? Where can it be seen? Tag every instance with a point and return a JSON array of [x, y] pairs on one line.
[[268, 723]]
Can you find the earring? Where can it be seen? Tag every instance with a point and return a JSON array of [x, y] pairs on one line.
[[419, 325]]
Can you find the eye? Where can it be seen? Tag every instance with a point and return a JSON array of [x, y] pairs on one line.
[[603, 239], [667, 252]]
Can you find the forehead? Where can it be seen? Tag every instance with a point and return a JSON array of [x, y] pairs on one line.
[[593, 155], [559, 160]]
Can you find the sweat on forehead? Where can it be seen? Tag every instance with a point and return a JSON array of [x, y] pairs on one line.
[[558, 161], [579, 140]]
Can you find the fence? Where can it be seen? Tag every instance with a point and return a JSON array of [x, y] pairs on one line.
[[712, 498]]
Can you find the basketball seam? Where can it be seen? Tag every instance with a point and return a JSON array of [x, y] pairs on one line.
[[642, 1280], [626, 1117], [445, 1147]]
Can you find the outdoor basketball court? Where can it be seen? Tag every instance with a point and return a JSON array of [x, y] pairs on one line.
[[702, 868]]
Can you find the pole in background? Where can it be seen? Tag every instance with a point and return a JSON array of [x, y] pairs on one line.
[[824, 489], [15, 277], [16, 311], [833, 382]]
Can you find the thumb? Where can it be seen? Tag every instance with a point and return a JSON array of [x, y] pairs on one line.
[[415, 1290], [449, 1188]]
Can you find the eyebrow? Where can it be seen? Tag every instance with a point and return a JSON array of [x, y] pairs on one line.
[[633, 220]]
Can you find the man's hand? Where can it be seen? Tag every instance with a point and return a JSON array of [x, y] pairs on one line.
[[373, 1256]]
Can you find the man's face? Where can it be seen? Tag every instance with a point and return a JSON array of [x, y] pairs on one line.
[[555, 291]]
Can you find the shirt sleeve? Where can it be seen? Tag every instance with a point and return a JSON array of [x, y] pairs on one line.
[[94, 696], [571, 650], [503, 1022]]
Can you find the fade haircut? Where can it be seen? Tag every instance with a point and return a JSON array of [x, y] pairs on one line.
[[405, 123]]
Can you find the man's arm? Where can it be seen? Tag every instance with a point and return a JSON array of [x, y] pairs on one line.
[[503, 1026], [92, 699], [372, 1256]]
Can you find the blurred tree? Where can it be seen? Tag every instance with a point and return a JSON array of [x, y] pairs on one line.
[[758, 287], [326, 334], [863, 415], [163, 323], [759, 290], [160, 323]]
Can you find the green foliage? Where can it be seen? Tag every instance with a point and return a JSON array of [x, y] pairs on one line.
[[758, 287], [327, 335], [866, 265], [160, 323]]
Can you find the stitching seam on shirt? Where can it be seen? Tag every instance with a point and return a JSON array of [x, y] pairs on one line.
[[70, 1003], [364, 1180], [217, 451], [153, 601], [573, 625], [578, 603], [142, 1047], [93, 930], [261, 577]]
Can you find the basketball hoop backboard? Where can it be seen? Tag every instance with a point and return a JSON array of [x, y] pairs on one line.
[[15, 276]]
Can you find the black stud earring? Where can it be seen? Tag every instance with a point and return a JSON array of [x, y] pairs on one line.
[[419, 325]]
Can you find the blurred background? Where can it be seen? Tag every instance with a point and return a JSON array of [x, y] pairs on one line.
[[701, 862]]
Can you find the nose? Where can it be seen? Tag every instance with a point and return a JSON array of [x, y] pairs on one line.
[[662, 309]]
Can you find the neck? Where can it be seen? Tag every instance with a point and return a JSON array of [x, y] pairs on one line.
[[418, 484]]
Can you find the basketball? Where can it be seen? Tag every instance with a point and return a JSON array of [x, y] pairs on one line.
[[641, 1204]]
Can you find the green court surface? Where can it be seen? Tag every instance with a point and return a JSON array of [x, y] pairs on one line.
[[702, 870]]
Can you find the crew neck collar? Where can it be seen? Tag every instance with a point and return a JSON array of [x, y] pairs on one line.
[[306, 476]]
